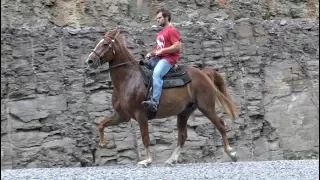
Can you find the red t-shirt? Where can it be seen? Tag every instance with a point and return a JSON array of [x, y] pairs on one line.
[[166, 38]]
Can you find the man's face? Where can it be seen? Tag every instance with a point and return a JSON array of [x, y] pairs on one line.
[[161, 20]]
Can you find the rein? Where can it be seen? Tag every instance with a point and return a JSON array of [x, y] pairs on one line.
[[117, 65]]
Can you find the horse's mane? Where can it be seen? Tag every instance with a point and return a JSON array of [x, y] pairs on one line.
[[117, 36]]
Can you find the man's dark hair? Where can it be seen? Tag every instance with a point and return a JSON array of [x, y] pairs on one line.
[[165, 13]]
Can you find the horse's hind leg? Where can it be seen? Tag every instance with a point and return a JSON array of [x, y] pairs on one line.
[[182, 135], [208, 109], [213, 117], [114, 119]]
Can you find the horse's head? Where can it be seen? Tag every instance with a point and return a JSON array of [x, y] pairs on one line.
[[104, 50]]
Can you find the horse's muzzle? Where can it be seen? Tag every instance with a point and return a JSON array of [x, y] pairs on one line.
[[92, 64]]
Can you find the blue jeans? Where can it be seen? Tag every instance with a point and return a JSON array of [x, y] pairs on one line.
[[161, 68]]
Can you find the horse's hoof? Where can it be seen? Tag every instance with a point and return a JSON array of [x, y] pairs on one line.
[[102, 145], [144, 163], [97, 121], [107, 145], [233, 156], [169, 164]]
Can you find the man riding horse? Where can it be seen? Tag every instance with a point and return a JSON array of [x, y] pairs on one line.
[[203, 91], [165, 56]]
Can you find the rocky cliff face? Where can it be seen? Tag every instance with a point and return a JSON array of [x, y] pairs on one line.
[[107, 13], [49, 106]]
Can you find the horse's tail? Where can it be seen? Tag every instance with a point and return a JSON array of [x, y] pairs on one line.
[[223, 97]]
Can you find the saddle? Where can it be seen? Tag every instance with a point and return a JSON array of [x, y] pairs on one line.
[[176, 77]]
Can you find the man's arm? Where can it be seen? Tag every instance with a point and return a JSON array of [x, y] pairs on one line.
[[175, 47], [152, 53]]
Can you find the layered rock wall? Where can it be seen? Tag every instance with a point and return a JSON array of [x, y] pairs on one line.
[[49, 106]]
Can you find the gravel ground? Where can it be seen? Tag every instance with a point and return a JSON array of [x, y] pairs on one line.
[[282, 170]]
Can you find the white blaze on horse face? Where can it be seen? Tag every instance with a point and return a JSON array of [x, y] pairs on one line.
[[98, 44], [101, 41]]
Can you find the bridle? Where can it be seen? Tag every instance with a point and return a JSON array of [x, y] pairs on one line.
[[104, 51], [111, 45]]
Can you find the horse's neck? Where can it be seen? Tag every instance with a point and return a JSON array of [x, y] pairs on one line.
[[128, 74], [125, 74]]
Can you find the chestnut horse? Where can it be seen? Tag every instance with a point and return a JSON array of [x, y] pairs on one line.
[[206, 87]]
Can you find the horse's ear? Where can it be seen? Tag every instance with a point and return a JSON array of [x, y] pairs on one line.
[[118, 31]]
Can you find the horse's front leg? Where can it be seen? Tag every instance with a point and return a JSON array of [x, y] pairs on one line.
[[144, 129], [114, 119]]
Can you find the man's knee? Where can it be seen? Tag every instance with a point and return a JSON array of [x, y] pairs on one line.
[[156, 75]]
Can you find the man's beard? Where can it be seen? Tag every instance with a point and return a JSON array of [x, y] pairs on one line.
[[162, 24]]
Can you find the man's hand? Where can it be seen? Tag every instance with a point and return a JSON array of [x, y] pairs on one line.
[[150, 54]]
